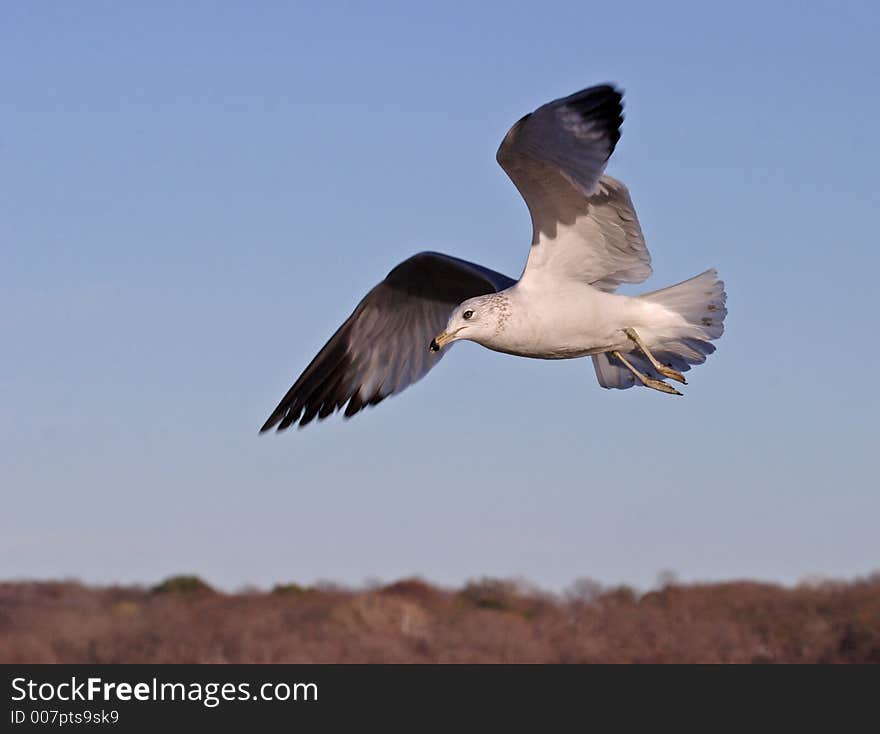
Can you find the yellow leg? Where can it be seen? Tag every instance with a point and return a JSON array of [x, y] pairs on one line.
[[645, 380], [661, 368]]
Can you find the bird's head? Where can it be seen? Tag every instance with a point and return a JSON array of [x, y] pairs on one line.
[[477, 319]]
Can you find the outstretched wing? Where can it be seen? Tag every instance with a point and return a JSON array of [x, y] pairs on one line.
[[584, 225], [382, 348]]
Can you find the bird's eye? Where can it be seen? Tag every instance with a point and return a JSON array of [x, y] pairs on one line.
[[467, 314]]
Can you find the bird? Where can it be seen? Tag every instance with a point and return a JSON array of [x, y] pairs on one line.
[[586, 241]]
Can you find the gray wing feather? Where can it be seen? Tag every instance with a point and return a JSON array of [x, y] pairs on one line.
[[584, 225], [382, 348]]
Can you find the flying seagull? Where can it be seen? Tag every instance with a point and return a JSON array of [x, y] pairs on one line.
[[586, 241]]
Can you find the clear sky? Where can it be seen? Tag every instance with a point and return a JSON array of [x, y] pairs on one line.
[[194, 195]]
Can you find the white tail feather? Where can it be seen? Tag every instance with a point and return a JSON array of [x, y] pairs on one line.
[[700, 302]]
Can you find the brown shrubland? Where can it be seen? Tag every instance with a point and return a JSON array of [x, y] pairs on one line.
[[184, 620]]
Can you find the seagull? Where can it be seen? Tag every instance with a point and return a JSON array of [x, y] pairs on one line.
[[586, 241]]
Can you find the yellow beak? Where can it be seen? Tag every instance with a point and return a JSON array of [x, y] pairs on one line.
[[440, 341]]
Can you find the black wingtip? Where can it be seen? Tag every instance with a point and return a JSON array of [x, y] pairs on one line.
[[280, 417], [268, 425], [602, 103]]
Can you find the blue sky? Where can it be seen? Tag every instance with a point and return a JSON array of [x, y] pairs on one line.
[[193, 197]]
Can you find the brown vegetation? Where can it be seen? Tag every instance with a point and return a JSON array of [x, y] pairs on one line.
[[185, 620]]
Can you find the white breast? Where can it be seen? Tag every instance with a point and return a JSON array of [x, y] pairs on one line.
[[560, 321]]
